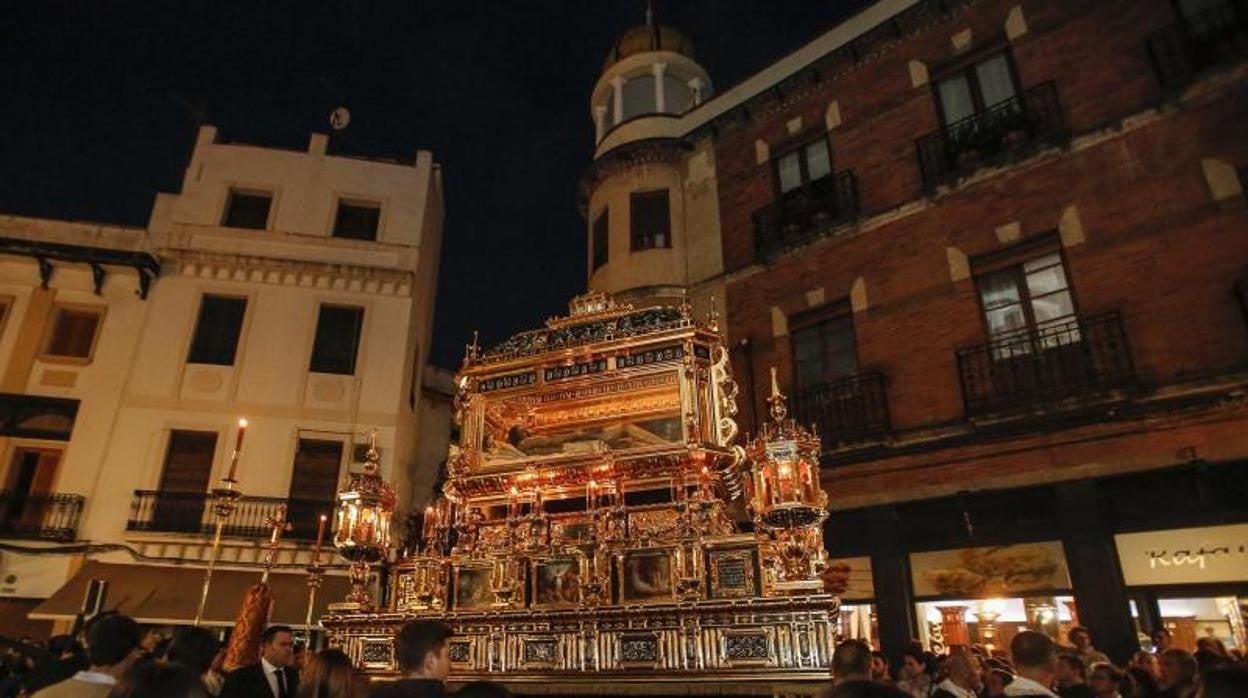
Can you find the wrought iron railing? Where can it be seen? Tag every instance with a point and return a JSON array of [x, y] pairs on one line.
[[802, 215], [1218, 34], [846, 410], [40, 515], [191, 513], [1065, 360], [1001, 133]]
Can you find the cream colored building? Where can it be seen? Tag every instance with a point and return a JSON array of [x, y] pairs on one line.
[[292, 288]]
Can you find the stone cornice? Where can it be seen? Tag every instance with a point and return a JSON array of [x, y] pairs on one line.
[[284, 272]]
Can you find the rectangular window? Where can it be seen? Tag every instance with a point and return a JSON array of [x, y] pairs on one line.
[[182, 495], [72, 332], [6, 304], [217, 329], [1028, 300], [974, 88], [600, 241], [650, 220], [797, 169], [356, 220], [337, 339], [824, 350], [247, 209], [313, 484]]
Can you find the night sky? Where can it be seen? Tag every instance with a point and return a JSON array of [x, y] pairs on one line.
[[101, 100]]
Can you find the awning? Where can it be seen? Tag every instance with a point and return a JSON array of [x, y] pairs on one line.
[[170, 595]]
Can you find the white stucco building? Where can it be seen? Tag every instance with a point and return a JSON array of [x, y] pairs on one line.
[[293, 288]]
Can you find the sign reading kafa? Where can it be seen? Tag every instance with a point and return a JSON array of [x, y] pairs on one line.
[[1185, 555]]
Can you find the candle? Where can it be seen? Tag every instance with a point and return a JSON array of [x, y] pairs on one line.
[[428, 523], [320, 536], [513, 502], [537, 500], [238, 448], [591, 496]]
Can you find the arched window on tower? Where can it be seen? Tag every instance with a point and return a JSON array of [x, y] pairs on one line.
[[639, 96]]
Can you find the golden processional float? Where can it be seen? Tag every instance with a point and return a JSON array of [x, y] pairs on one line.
[[587, 529]]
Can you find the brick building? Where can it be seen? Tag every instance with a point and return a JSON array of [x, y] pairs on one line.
[[997, 250]]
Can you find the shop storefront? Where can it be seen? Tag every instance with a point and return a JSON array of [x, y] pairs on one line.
[[1192, 581], [858, 617], [985, 595], [1120, 555]]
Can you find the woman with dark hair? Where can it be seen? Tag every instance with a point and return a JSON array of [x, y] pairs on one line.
[[329, 674], [159, 680], [916, 671], [995, 681]]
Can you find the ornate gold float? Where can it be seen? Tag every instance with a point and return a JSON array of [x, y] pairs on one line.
[[599, 524]]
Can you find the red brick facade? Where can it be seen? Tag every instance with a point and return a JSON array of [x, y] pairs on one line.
[[1141, 233]]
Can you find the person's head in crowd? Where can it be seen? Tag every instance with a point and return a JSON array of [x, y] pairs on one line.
[[277, 645], [914, 662], [1147, 662], [483, 689], [1071, 671], [1035, 656], [862, 689], [1225, 682], [1214, 645], [113, 644], [1207, 660], [194, 648], [329, 674], [1108, 681], [159, 680], [851, 661], [1162, 640], [963, 668], [995, 681], [1080, 637], [1178, 668], [300, 657], [421, 649], [880, 669]]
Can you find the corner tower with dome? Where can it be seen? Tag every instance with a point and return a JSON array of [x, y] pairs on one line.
[[649, 196]]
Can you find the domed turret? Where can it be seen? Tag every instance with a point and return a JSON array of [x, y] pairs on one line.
[[649, 71]]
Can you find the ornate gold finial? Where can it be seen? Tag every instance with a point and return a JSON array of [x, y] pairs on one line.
[[712, 315], [372, 459], [778, 410], [686, 310], [472, 351], [278, 524]]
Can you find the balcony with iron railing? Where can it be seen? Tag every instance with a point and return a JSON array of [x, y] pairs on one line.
[[1216, 35], [191, 513], [803, 215], [40, 515], [1005, 132], [1079, 358], [844, 411]]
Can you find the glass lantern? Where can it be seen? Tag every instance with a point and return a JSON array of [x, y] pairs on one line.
[[362, 527]]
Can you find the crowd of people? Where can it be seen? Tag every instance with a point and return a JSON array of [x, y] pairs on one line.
[[121, 661], [1038, 667]]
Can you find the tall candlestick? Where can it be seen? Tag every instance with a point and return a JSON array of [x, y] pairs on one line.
[[537, 500], [591, 496], [320, 536], [238, 448]]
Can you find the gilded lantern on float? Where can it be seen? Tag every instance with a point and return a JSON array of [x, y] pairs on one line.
[[787, 502], [362, 527]]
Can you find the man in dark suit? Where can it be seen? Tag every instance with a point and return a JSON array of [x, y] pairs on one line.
[[271, 677]]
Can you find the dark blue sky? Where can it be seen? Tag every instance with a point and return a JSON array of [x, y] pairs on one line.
[[101, 99]]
